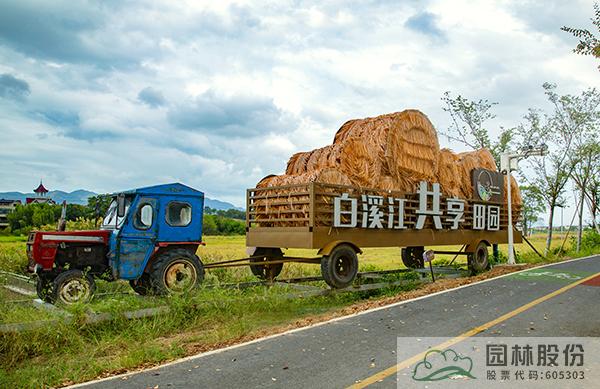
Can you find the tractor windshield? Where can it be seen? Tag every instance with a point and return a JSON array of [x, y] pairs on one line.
[[111, 221]]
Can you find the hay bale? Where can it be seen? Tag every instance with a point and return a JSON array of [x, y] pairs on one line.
[[358, 162], [391, 152], [392, 184], [412, 148], [468, 161], [291, 165], [405, 142], [448, 174]]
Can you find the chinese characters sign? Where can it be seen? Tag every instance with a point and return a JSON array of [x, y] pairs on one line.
[[379, 212], [504, 362]]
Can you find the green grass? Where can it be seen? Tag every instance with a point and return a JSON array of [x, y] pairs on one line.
[[52, 356], [205, 319], [13, 257], [11, 238]]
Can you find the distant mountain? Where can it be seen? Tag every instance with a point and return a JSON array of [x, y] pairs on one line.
[[81, 196], [218, 204], [76, 197]]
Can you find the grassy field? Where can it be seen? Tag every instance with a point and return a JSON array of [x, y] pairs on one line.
[[205, 319]]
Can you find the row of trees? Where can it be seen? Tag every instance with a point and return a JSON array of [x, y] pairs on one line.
[[231, 213], [569, 130], [34, 216], [29, 216], [219, 225]]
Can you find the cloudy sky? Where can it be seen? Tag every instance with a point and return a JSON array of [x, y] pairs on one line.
[[111, 95]]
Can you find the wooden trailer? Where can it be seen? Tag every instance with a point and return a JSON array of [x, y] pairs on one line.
[[340, 220]]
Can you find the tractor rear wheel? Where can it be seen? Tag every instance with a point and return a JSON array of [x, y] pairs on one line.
[[264, 254], [71, 287], [340, 267], [412, 257], [479, 260], [176, 271]]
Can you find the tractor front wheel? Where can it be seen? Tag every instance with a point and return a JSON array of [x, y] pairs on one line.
[[72, 286], [176, 271]]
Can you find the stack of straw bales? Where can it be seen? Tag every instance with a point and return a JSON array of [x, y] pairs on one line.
[[388, 152]]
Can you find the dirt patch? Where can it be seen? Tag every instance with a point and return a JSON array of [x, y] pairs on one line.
[[194, 347]]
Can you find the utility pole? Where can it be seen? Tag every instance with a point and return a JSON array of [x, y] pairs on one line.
[[509, 162]]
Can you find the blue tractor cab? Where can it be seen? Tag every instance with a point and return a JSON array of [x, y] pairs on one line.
[[161, 224]]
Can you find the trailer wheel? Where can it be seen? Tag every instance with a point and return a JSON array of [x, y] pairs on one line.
[[412, 257], [142, 285], [176, 271], [72, 286], [266, 272], [479, 261], [340, 267]]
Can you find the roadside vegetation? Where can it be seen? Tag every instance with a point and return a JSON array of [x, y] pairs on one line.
[[64, 353], [45, 217]]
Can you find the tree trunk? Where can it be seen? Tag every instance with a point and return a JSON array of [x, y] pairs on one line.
[[594, 210], [549, 237], [580, 229]]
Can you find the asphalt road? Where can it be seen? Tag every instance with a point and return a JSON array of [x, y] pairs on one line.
[[353, 350]]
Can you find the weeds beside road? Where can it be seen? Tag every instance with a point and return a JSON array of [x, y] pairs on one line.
[[206, 319]]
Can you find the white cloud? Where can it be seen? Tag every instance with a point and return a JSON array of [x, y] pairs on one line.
[[233, 88]]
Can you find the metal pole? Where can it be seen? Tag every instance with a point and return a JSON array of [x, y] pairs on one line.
[[511, 254], [431, 269]]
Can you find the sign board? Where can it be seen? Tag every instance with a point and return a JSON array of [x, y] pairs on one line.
[[428, 256], [488, 185], [430, 211]]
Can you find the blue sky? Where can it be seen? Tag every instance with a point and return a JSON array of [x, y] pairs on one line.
[[112, 95]]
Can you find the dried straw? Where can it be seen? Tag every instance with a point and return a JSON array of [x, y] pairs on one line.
[[468, 161], [448, 174], [391, 152]]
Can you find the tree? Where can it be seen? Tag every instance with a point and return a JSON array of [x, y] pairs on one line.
[[593, 200], [231, 213], [533, 206], [586, 170], [32, 215], [468, 125], [588, 44], [209, 226], [98, 205], [560, 129]]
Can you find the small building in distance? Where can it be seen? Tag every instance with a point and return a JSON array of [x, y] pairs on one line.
[[6, 207], [41, 196]]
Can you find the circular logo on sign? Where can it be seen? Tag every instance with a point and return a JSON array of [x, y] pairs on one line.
[[484, 185]]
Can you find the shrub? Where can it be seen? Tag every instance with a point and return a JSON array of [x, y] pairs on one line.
[[590, 240]]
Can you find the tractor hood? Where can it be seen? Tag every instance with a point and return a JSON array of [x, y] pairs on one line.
[[42, 245]]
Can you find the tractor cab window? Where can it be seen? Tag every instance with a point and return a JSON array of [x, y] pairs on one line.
[[178, 214], [144, 216], [111, 221]]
